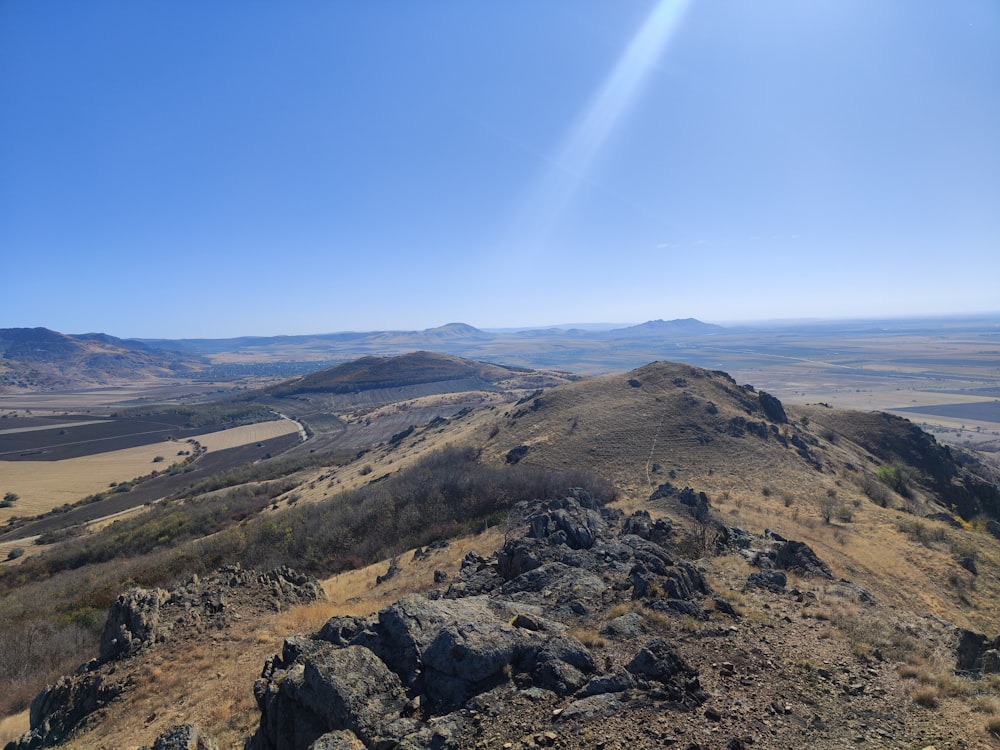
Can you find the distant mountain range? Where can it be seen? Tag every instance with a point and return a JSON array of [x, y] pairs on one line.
[[40, 359]]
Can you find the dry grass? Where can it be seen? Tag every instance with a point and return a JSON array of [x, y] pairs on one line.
[[44, 485], [356, 593], [12, 727], [589, 638], [246, 434], [926, 696]]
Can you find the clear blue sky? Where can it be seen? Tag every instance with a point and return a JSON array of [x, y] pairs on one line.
[[205, 169]]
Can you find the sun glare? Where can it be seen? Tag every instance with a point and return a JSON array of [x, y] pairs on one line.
[[583, 142]]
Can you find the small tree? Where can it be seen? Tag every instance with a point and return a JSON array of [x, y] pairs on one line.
[[9, 499], [897, 477]]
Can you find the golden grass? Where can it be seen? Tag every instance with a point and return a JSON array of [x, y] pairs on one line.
[[12, 727], [356, 593], [44, 485], [246, 434]]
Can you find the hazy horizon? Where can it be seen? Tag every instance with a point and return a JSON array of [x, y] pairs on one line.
[[992, 317], [221, 170]]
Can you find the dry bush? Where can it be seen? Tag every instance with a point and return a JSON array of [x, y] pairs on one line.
[[926, 696], [589, 638], [986, 704], [993, 727]]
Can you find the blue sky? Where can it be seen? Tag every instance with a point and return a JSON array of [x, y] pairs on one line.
[[192, 169]]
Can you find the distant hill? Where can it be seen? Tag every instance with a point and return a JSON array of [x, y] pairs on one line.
[[38, 358], [661, 328], [584, 349], [415, 368]]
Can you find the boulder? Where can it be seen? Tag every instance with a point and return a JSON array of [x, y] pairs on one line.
[[658, 661], [133, 623], [772, 407], [798, 557], [772, 580], [60, 708], [184, 737], [329, 689]]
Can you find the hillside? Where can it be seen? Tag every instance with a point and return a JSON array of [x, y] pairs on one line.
[[40, 359], [414, 368], [760, 574]]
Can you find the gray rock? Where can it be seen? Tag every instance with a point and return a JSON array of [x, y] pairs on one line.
[[592, 706], [61, 707], [798, 557], [969, 563], [343, 629], [614, 682], [184, 737], [567, 522], [773, 580], [772, 407], [461, 638], [658, 661], [627, 626], [132, 624], [327, 689]]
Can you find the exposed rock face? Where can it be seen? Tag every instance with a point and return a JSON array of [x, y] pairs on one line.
[[58, 709], [408, 675], [141, 618], [772, 407], [132, 623], [976, 653]]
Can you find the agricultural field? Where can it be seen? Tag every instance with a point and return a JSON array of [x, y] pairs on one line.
[[51, 461]]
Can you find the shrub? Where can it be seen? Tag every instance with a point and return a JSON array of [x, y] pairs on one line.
[[926, 696], [993, 727], [875, 491], [897, 477]]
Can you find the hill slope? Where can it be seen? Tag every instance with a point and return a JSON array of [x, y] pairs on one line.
[[37, 358], [855, 641], [415, 368]]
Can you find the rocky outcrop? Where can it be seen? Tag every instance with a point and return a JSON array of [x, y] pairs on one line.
[[59, 708], [771, 551], [133, 623], [772, 407], [413, 674], [977, 654], [140, 619], [183, 737]]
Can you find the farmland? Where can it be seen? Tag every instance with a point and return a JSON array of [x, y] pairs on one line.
[[53, 461]]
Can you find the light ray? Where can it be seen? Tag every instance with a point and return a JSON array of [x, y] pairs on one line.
[[571, 165]]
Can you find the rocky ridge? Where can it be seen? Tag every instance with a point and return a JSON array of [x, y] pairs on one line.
[[585, 629]]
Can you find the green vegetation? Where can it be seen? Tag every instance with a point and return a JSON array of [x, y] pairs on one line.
[[222, 413], [263, 471], [898, 477], [875, 491], [9, 499]]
